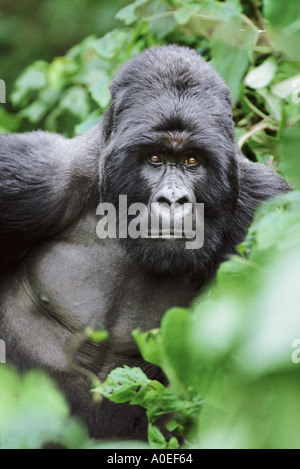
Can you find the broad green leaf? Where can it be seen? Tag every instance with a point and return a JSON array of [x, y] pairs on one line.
[[49, 97], [35, 112], [261, 76], [272, 103], [284, 26], [128, 14], [33, 412], [75, 101], [8, 122], [274, 229], [215, 330], [90, 122], [60, 72], [292, 113], [162, 26], [130, 384], [264, 146], [275, 323], [280, 13], [184, 14], [290, 144], [150, 345], [32, 79], [156, 438], [230, 54], [110, 44], [289, 202], [287, 88], [100, 92], [225, 10], [173, 443], [176, 330]]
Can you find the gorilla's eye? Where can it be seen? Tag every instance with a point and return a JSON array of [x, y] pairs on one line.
[[154, 159], [191, 161]]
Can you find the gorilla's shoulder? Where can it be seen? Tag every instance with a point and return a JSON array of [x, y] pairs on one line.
[[43, 188]]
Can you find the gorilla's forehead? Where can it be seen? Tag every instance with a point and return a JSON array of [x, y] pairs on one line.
[[198, 113], [176, 123]]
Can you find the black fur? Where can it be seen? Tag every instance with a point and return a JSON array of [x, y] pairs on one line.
[[57, 277], [173, 93]]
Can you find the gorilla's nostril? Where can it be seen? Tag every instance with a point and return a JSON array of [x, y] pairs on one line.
[[166, 196], [163, 200], [183, 200]]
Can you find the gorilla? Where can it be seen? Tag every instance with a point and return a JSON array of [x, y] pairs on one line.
[[167, 138]]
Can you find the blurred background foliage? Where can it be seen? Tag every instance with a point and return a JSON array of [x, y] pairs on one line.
[[31, 30], [232, 359]]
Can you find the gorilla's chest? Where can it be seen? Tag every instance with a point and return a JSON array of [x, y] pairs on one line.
[[94, 285]]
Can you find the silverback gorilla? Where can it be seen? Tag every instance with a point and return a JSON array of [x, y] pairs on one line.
[[167, 136]]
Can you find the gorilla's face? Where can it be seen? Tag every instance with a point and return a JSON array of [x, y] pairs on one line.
[[169, 139]]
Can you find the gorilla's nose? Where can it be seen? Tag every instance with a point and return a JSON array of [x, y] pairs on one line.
[[172, 195]]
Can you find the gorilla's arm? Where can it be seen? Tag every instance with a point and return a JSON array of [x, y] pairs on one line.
[[42, 190]]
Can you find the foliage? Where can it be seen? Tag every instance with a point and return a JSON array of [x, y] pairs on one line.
[[46, 29], [231, 358], [34, 415], [256, 55], [228, 359]]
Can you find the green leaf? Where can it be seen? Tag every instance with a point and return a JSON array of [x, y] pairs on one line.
[[110, 44], [156, 438], [184, 14], [100, 92], [75, 101], [176, 329], [33, 412], [264, 145], [60, 72], [150, 345], [290, 144], [274, 228], [287, 88], [226, 10], [125, 384], [160, 27], [97, 336], [35, 112], [90, 122], [261, 76], [32, 79], [284, 26], [230, 54], [272, 103], [173, 443], [270, 335], [8, 122], [128, 14], [280, 13]]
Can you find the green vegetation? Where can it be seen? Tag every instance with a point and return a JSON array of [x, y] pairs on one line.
[[232, 358]]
